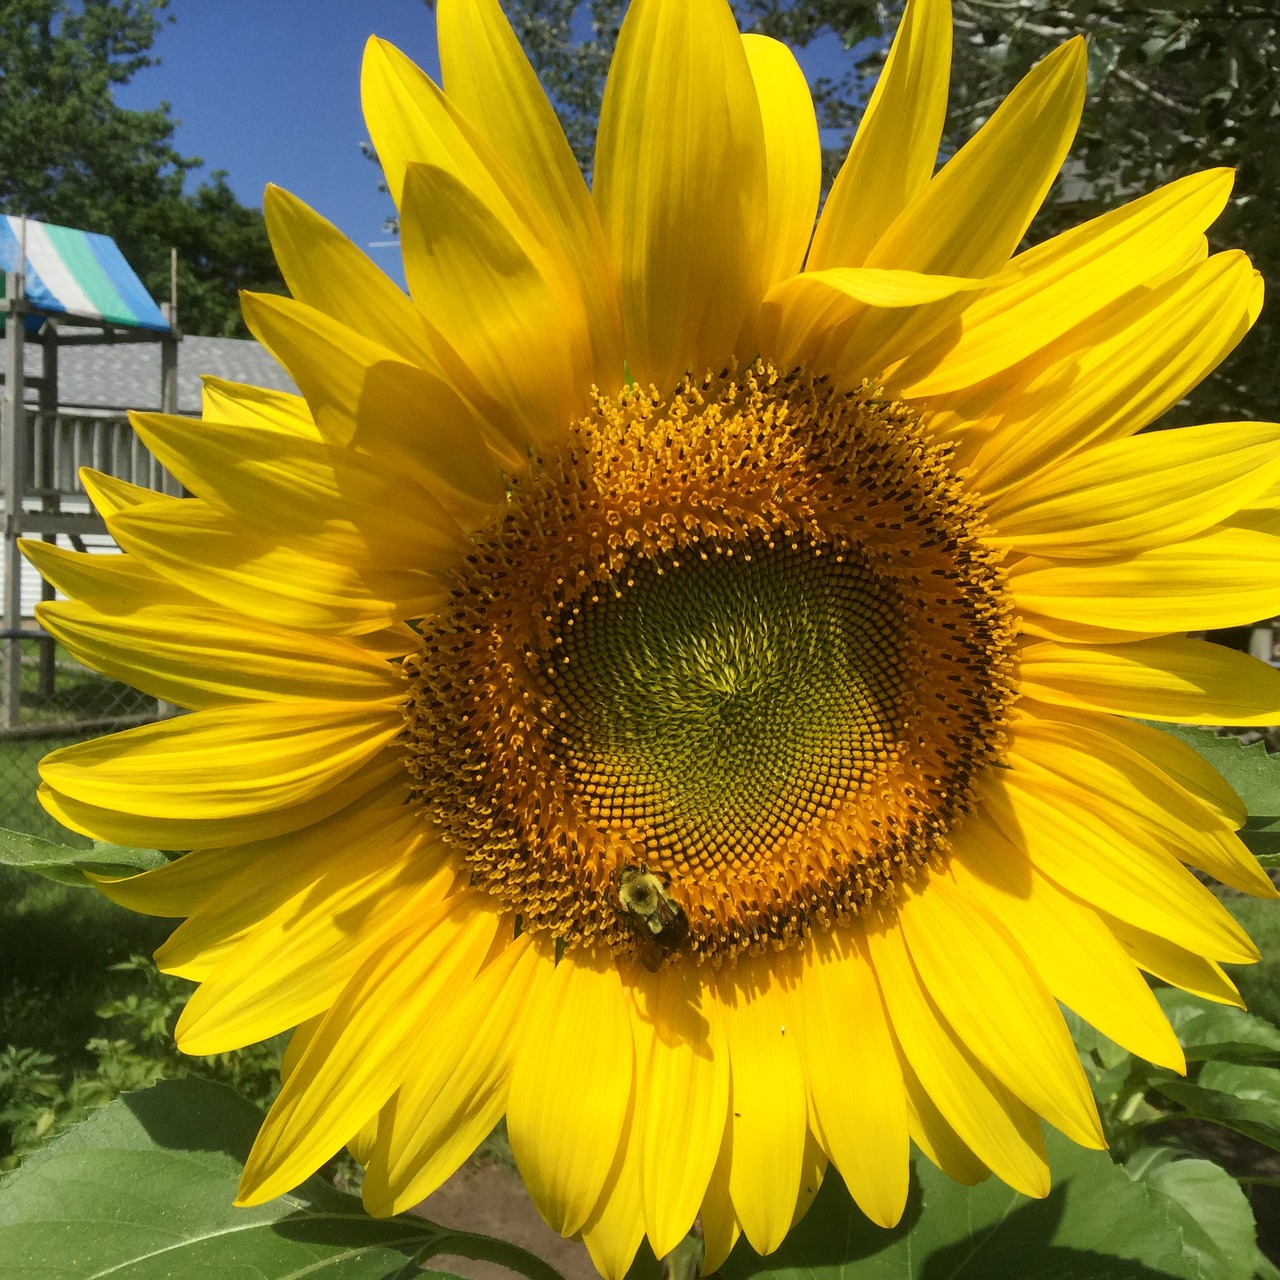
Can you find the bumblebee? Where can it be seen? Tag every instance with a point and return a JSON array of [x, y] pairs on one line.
[[655, 917]]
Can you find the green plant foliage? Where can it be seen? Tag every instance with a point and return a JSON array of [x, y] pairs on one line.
[[1254, 774], [1219, 1031], [1259, 984], [1243, 1098], [144, 1188], [1096, 1222], [1212, 1213], [42, 1095], [69, 865]]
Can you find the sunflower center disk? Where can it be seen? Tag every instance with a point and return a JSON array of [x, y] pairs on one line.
[[725, 698], [727, 667]]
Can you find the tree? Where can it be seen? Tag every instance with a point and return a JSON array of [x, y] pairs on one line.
[[69, 154], [1174, 86]]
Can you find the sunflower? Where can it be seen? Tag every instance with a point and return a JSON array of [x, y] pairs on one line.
[[677, 679]]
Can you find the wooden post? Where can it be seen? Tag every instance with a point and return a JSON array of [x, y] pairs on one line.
[[13, 427], [42, 440]]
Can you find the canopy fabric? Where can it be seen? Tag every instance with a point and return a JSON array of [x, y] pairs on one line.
[[79, 274]]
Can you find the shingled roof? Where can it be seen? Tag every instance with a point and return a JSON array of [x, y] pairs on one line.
[[126, 375]]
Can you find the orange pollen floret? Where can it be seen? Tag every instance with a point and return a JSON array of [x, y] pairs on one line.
[[727, 666]]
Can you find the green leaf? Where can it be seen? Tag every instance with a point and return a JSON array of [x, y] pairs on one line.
[[1252, 773], [1264, 1268], [144, 1188], [1243, 1098], [1096, 1222], [1209, 1030], [1217, 1223], [67, 865]]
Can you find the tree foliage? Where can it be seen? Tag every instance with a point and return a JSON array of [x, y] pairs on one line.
[[69, 154], [1174, 86]]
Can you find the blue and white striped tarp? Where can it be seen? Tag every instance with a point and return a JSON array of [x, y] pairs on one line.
[[79, 274]]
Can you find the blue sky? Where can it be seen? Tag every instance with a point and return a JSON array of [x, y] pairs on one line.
[[269, 91]]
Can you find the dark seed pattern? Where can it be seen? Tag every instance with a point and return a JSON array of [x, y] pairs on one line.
[[746, 636]]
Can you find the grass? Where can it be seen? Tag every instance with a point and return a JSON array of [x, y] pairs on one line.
[[77, 693], [56, 945], [19, 808], [85, 1015]]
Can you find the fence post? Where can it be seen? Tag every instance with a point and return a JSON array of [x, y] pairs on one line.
[[50, 500], [12, 430]]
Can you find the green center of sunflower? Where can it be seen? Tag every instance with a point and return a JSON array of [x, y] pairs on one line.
[[716, 701], [727, 666]]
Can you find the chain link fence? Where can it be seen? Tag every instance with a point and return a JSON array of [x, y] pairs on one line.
[[62, 701]]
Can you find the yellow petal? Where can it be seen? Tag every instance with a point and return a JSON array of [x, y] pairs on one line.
[[768, 1116], [1222, 578], [324, 270], [855, 1079], [720, 1228], [261, 407], [302, 1036], [411, 122], [1150, 489], [511, 321], [305, 493], [1000, 1130], [118, 586], [1130, 789], [819, 317], [680, 182], [1042, 628], [994, 1000], [969, 218], [936, 1138], [456, 1090], [488, 77], [1174, 758], [1176, 965], [1124, 870], [362, 393], [228, 890], [293, 964], [1112, 375], [1048, 290], [111, 495], [813, 1168], [109, 584], [123, 827], [793, 154], [965, 222], [214, 556], [179, 887], [896, 146], [1075, 954], [225, 762], [682, 1102], [1175, 679], [366, 1045], [202, 657], [615, 1228], [570, 1090]]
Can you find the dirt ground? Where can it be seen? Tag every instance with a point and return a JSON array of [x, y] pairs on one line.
[[488, 1197]]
